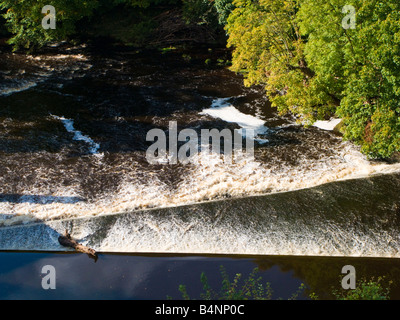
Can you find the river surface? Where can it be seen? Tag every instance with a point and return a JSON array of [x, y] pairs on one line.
[[73, 125], [156, 277]]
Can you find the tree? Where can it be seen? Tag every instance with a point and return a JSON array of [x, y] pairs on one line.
[[24, 19], [224, 9], [211, 12], [315, 68], [269, 50], [136, 21], [362, 65]]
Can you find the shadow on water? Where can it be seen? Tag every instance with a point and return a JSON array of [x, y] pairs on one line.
[[117, 127], [156, 276], [116, 102], [38, 199]]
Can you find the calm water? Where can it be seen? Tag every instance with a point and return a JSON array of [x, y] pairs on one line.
[[149, 277]]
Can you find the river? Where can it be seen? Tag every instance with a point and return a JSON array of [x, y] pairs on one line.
[[73, 125]]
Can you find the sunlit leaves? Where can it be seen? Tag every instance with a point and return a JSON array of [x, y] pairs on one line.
[[313, 67]]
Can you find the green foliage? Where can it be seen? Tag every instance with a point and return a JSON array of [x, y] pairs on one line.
[[238, 289], [252, 288], [366, 290], [167, 49], [121, 24], [269, 50], [313, 67], [199, 11], [186, 57], [24, 20], [224, 9], [129, 22], [210, 12], [3, 29], [204, 13], [362, 65]]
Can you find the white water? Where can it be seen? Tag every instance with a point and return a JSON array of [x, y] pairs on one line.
[[78, 136], [221, 108], [327, 125], [30, 71], [318, 222], [208, 178], [59, 184]]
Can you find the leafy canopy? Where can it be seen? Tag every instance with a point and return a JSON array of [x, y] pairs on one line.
[[315, 68]]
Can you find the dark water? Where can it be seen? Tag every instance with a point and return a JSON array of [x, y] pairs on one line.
[[73, 125], [150, 277]]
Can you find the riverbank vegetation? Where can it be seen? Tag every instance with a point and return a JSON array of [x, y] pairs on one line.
[[316, 58], [253, 288]]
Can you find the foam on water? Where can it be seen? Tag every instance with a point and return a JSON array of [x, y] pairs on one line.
[[327, 125], [209, 178], [78, 136], [324, 221], [55, 185], [19, 87], [221, 108], [24, 72]]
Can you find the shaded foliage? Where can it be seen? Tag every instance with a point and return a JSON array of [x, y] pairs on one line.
[[131, 22], [24, 19], [250, 288]]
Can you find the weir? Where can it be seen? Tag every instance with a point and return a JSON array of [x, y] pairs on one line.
[[358, 218]]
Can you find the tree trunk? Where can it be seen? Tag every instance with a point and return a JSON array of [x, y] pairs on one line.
[[67, 241]]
